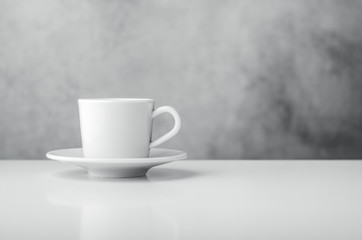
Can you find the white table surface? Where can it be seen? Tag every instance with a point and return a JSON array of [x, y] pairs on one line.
[[189, 199]]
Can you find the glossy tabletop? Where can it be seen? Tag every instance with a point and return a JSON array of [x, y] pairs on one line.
[[188, 199]]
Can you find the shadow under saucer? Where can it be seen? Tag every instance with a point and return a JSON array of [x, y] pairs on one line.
[[154, 174]]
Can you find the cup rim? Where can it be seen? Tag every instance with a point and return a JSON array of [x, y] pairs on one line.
[[116, 100]]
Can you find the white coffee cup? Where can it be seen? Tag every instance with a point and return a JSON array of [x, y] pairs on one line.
[[121, 127]]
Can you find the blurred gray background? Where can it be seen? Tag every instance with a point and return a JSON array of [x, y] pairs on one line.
[[250, 78]]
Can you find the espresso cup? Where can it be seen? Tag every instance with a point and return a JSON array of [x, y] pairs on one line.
[[121, 127]]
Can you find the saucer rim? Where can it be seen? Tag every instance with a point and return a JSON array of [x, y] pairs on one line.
[[54, 155]]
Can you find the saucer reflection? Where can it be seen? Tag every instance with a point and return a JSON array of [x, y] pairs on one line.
[[109, 211]]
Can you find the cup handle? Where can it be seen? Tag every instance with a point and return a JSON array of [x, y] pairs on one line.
[[173, 131]]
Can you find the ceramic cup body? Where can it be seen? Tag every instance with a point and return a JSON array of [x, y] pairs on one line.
[[119, 127]]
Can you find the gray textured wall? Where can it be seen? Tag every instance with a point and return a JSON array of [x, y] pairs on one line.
[[250, 78]]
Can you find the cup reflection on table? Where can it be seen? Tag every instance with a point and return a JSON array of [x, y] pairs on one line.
[[132, 222]]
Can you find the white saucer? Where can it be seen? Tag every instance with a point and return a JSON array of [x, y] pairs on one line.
[[114, 167]]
